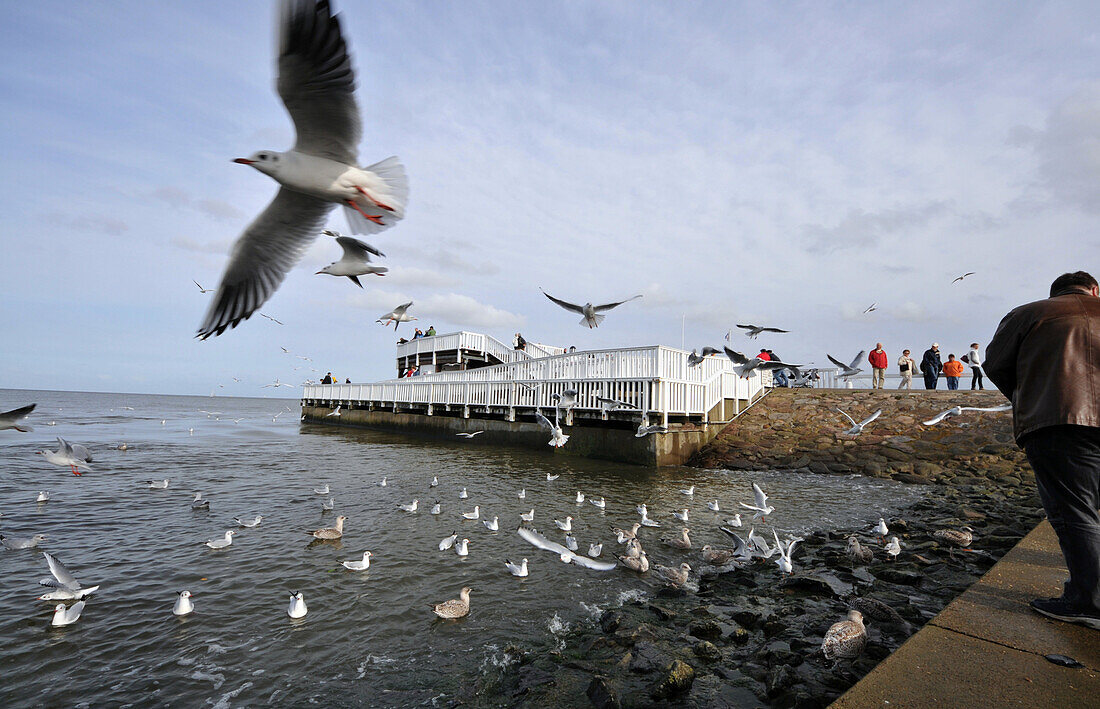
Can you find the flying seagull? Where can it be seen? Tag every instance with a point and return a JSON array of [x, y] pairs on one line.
[[277, 322], [848, 370], [955, 411], [744, 366], [754, 330], [695, 360], [64, 584], [591, 313], [355, 261], [317, 85], [68, 454], [557, 438], [968, 273], [11, 419], [870, 308], [201, 289], [857, 428], [396, 316]]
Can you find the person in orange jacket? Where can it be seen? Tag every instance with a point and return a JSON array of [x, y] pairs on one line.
[[879, 362], [952, 369]]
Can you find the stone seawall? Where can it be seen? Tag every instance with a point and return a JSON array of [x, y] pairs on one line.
[[800, 429]]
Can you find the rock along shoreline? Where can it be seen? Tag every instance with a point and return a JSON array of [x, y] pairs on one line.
[[748, 638]]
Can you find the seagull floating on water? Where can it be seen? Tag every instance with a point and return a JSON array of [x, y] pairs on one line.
[[528, 516], [734, 521], [580, 497], [251, 523], [571, 542], [713, 506], [297, 608], [493, 525], [463, 495], [598, 502], [328, 506], [595, 550], [434, 482], [317, 84], [519, 569], [411, 507], [592, 317], [224, 542], [522, 494], [456, 607], [565, 526], [15, 543], [43, 496], [67, 616], [11, 419], [462, 547], [689, 491], [330, 533], [682, 515], [356, 259], [551, 478], [358, 565], [473, 515], [321, 490], [681, 542], [437, 509], [448, 542], [198, 503], [183, 605]]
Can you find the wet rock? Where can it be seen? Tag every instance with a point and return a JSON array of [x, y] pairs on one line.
[[912, 479], [778, 652], [531, 677], [705, 629], [778, 679], [676, 680], [610, 621], [820, 582], [602, 695], [899, 575], [706, 650], [662, 612], [646, 657]]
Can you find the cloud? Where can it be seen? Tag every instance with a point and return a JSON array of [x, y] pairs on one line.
[[450, 260], [1068, 149], [861, 229], [92, 222], [181, 199], [207, 247]]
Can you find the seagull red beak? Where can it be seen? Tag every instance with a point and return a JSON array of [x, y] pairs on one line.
[[244, 161]]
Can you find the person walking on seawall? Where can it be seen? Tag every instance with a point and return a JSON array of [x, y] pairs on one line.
[[1045, 356], [879, 362], [779, 375], [931, 366], [906, 366], [952, 369], [974, 359]]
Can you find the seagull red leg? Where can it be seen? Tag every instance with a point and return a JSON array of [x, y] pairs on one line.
[[376, 218], [372, 199]]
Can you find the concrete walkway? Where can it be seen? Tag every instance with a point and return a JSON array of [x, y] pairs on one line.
[[986, 648]]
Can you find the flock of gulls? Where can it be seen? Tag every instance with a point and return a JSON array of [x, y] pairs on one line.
[[844, 640]]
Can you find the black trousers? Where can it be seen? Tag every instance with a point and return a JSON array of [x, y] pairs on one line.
[[976, 380], [930, 380], [1066, 460]]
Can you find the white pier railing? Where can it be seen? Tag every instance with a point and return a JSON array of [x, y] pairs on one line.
[[422, 348], [655, 381]]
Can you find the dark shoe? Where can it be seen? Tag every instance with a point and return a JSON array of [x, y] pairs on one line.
[[1061, 610]]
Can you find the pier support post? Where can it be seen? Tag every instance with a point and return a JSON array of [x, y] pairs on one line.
[[466, 411]]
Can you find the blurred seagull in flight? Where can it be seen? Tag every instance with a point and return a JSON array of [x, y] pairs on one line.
[[695, 360], [857, 428], [870, 308], [201, 289], [753, 330], [68, 454], [848, 370], [277, 322], [557, 438], [356, 259], [591, 313], [397, 316], [968, 273], [317, 85], [955, 411], [11, 419], [761, 508], [744, 366], [64, 584]]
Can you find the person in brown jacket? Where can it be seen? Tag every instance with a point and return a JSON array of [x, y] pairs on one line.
[[1046, 357]]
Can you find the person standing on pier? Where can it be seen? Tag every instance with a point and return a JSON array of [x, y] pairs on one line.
[[931, 366], [952, 369], [974, 359], [906, 366], [879, 362], [1046, 357]]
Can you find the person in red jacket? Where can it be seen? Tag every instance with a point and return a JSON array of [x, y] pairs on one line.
[[879, 362], [764, 356]]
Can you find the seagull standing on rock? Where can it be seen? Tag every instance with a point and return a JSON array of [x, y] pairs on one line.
[[317, 85]]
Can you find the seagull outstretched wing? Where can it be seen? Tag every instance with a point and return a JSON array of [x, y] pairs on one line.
[[565, 304]]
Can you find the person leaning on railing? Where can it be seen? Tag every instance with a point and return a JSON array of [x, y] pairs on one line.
[[1046, 357]]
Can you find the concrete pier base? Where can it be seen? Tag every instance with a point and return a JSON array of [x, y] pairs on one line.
[[603, 442]]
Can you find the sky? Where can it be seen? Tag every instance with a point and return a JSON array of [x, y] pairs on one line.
[[786, 164]]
